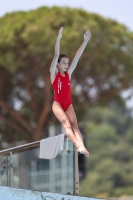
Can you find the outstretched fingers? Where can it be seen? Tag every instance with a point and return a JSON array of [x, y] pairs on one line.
[[87, 35], [60, 32]]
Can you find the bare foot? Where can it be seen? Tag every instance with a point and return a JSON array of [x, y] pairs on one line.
[[81, 149]]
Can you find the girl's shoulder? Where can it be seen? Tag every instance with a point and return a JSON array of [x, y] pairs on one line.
[[68, 75], [56, 75]]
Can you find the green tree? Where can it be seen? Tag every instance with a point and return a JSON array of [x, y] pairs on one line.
[[109, 167], [26, 49]]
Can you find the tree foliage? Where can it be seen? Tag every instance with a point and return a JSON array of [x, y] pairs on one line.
[[110, 163], [27, 42]]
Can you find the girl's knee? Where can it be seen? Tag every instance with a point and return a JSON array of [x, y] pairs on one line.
[[66, 123], [74, 125]]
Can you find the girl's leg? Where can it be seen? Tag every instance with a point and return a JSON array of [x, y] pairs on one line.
[[62, 117], [73, 121]]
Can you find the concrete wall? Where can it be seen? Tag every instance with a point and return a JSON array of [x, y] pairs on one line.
[[7, 193]]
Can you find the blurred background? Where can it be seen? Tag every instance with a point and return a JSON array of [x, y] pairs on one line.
[[102, 84]]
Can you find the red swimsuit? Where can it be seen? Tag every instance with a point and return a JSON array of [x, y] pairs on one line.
[[62, 92]]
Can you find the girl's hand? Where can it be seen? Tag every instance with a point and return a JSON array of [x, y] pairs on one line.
[[87, 35], [60, 33]]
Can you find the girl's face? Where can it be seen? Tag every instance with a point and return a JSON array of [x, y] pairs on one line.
[[63, 64]]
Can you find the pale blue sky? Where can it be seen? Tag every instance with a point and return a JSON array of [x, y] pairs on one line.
[[120, 10]]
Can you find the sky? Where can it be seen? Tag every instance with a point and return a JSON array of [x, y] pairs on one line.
[[120, 10]]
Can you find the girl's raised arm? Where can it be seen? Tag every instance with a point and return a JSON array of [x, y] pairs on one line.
[[56, 54], [78, 54]]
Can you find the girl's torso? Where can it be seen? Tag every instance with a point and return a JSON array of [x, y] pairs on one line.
[[62, 89]]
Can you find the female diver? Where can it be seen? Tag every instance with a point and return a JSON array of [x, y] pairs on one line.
[[60, 75]]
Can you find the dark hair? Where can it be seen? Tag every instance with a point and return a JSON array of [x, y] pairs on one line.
[[62, 56]]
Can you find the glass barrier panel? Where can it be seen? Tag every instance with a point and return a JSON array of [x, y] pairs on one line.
[[28, 171], [4, 176]]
